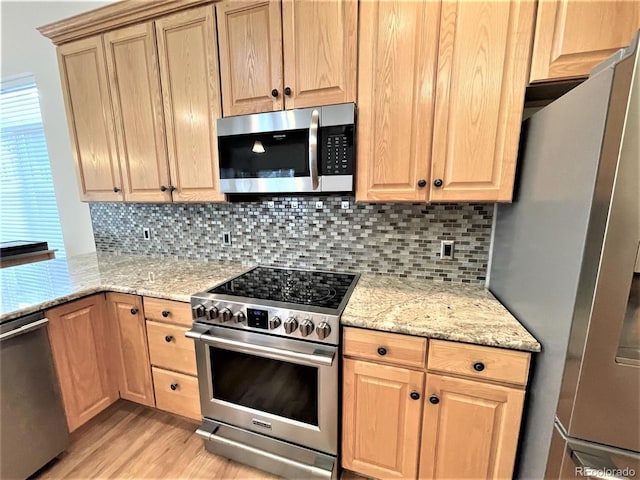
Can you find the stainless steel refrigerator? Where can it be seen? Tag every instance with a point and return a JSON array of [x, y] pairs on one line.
[[565, 263]]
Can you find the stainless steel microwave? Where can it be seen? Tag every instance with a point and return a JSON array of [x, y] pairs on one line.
[[305, 150]]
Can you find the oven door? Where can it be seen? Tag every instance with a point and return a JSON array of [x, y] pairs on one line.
[[275, 386]]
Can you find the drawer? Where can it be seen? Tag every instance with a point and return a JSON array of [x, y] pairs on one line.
[[167, 311], [475, 361], [178, 353], [385, 347], [184, 400]]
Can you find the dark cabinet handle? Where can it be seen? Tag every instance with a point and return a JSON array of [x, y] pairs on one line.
[[168, 338], [172, 188], [433, 399], [382, 351], [275, 93], [287, 91], [163, 188], [174, 386], [437, 182], [478, 366], [134, 311], [166, 313], [414, 395], [116, 189], [422, 183]]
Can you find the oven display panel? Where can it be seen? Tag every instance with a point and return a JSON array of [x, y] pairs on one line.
[[258, 318]]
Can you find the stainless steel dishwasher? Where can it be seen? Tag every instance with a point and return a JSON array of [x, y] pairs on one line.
[[33, 426]]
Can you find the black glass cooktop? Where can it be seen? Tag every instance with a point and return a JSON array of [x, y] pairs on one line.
[[304, 287]]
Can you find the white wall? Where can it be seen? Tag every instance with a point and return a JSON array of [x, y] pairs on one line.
[[24, 50]]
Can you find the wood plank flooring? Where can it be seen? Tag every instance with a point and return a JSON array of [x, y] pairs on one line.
[[129, 441]]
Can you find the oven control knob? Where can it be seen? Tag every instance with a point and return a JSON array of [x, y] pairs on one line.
[[197, 311], [274, 323], [239, 317], [290, 325], [323, 330], [225, 315], [211, 313], [306, 327]]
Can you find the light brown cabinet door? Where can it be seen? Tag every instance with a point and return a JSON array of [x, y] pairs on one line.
[[482, 74], [132, 352], [320, 39], [381, 422], [470, 431], [89, 117], [191, 97], [134, 80], [397, 61], [250, 47], [81, 342], [573, 36]]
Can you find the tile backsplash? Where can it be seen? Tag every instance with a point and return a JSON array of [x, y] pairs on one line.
[[398, 239]]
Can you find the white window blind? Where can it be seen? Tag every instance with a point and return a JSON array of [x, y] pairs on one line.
[[28, 208]]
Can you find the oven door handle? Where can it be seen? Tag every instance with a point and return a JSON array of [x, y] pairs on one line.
[[322, 358], [313, 148]]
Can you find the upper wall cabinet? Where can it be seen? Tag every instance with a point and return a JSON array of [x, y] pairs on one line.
[[573, 36], [298, 53], [440, 97]]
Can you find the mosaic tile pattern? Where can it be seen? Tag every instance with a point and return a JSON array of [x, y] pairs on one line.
[[396, 239]]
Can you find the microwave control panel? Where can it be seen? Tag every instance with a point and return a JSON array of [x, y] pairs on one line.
[[336, 150]]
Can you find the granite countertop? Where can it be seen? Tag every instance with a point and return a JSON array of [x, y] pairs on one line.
[[37, 286], [449, 311]]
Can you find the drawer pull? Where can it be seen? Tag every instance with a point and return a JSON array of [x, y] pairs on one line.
[[382, 351], [166, 313], [414, 395], [478, 366], [174, 386], [168, 338], [434, 399], [134, 311]]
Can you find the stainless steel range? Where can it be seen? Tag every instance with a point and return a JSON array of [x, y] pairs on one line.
[[268, 364]]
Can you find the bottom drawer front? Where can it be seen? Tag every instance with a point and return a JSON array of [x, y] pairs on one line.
[[182, 399]]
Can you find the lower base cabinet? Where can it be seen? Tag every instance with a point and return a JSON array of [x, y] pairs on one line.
[[470, 429], [81, 338]]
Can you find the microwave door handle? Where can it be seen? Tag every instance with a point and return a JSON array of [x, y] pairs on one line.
[[313, 148]]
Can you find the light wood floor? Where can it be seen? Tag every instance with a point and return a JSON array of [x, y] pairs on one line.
[[130, 441]]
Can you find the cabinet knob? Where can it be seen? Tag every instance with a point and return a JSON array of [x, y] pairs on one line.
[[275, 93], [433, 399], [134, 311], [116, 189], [437, 182], [382, 351], [174, 386], [478, 366], [163, 188], [168, 338], [414, 395], [422, 183], [166, 313], [172, 188], [287, 91]]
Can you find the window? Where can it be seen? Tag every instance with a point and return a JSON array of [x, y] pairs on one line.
[[28, 208]]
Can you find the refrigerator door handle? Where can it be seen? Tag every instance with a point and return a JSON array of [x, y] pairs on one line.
[[598, 467]]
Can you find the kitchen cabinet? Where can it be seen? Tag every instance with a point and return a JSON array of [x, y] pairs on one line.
[[132, 352], [82, 340], [463, 424], [177, 393], [89, 117], [289, 54], [573, 36], [440, 106]]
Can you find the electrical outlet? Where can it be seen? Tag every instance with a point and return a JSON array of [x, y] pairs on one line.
[[226, 238], [294, 204], [271, 204], [152, 277], [319, 205], [146, 233], [344, 205], [446, 249]]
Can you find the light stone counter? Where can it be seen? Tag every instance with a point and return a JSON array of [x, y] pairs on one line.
[[444, 310], [41, 285]]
